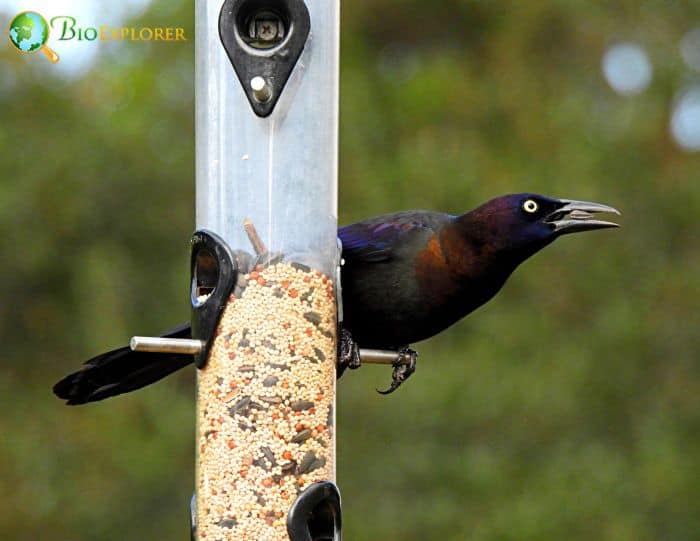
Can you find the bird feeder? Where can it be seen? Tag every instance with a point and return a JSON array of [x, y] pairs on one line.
[[264, 266], [265, 288]]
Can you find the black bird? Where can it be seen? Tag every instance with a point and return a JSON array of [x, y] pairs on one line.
[[406, 277]]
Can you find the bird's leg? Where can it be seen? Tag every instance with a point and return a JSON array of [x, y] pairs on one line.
[[348, 352], [350, 356], [404, 366]]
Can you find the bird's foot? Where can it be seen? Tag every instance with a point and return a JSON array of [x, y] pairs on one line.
[[348, 353], [404, 366]]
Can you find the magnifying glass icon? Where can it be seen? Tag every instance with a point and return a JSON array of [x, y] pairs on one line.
[[29, 33]]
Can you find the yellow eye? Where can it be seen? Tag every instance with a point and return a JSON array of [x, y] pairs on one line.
[[530, 206]]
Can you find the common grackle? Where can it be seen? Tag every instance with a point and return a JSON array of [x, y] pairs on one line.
[[405, 277]]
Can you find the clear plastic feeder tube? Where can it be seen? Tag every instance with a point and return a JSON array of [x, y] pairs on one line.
[[280, 172], [268, 187]]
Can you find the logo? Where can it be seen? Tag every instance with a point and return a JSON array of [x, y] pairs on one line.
[[29, 33]]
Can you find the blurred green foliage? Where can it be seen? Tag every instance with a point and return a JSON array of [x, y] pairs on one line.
[[567, 408]]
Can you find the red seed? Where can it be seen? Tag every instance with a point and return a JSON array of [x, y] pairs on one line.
[[287, 455]]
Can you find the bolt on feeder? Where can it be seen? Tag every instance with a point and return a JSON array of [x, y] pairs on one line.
[[264, 262]]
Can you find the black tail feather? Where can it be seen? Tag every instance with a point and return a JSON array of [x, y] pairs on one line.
[[120, 371]]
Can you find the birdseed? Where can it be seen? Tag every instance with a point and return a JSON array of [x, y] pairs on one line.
[[265, 403]]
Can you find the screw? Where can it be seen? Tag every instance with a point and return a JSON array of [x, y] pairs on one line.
[[266, 26], [261, 90]]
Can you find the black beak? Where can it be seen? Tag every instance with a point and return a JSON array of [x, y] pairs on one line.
[[575, 216]]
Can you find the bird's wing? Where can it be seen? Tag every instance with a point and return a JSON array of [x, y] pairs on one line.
[[376, 240]]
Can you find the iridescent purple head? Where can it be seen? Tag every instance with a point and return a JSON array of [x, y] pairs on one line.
[[522, 224]]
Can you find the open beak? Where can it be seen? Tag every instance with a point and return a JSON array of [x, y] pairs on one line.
[[575, 216]]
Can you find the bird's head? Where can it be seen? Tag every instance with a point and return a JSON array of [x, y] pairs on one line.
[[519, 225]]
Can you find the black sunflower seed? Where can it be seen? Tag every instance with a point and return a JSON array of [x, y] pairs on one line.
[[269, 455], [240, 407], [270, 381], [318, 463], [302, 436], [306, 462], [279, 366], [301, 405], [227, 523], [313, 317]]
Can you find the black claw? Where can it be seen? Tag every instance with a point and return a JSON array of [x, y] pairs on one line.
[[404, 366], [348, 353], [394, 385]]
